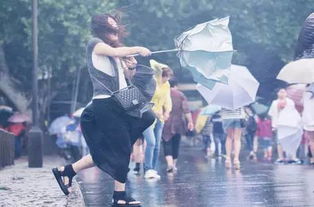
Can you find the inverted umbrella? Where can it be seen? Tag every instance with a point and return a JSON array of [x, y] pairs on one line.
[[299, 71], [240, 91], [206, 50]]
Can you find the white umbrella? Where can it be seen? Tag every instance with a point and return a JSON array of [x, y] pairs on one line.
[[289, 129], [240, 91], [58, 124], [206, 50], [210, 110], [299, 71]]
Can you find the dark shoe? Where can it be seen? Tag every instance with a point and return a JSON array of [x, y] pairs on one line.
[[120, 199], [67, 172], [170, 170], [136, 171], [298, 162], [279, 161]]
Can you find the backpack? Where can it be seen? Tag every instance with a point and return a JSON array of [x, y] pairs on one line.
[[251, 125]]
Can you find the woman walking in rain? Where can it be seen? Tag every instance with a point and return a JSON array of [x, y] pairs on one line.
[[180, 120], [108, 129], [162, 108], [233, 126]]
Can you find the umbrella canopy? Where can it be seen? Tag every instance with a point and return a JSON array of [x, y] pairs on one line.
[[210, 110], [240, 91], [299, 71], [19, 118], [259, 109], [58, 124], [206, 50], [305, 42]]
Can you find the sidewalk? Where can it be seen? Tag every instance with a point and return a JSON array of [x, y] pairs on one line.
[[23, 186]]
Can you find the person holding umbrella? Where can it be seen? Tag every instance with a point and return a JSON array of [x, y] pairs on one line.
[[109, 130], [233, 123], [286, 123]]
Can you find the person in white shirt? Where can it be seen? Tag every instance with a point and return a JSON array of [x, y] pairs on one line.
[[286, 123]]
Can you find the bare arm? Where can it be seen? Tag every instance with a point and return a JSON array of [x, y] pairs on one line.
[[188, 117], [104, 49]]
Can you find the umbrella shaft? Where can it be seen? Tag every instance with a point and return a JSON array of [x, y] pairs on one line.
[[157, 52]]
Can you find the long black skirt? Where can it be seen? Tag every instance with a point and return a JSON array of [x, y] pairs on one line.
[[110, 134]]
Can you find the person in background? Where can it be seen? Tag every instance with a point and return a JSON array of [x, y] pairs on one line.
[[264, 134], [138, 155], [308, 118], [233, 123], [218, 135], [179, 121], [162, 108], [250, 130], [203, 127], [19, 130], [286, 123]]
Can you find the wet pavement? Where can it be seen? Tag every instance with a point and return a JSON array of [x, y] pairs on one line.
[[201, 183]]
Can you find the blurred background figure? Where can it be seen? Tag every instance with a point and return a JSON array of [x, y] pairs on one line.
[[286, 122], [179, 122], [218, 135], [203, 128], [69, 139], [138, 155], [250, 130], [265, 134], [162, 108]]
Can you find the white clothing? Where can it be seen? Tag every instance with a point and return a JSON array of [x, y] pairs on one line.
[[308, 112], [233, 114], [288, 116], [103, 64]]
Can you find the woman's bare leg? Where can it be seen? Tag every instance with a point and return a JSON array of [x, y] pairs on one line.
[[119, 186], [237, 144], [229, 141], [311, 144], [170, 162], [280, 152]]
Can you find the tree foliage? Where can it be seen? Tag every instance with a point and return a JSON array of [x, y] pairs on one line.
[[264, 35]]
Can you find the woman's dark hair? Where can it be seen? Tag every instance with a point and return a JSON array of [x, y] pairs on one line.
[[100, 28], [173, 82], [167, 72]]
